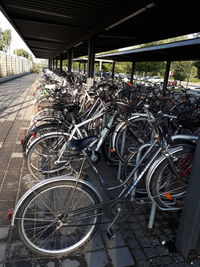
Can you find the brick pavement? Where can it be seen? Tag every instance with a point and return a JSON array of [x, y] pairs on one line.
[[133, 244]]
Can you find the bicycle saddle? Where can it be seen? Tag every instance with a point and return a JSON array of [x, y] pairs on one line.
[[80, 144]]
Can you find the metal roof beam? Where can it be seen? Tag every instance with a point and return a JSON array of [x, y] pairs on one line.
[[60, 25], [40, 11]]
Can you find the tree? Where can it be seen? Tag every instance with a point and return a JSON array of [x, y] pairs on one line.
[[150, 68], [197, 65], [7, 37], [182, 70], [5, 40], [21, 52], [1, 40]]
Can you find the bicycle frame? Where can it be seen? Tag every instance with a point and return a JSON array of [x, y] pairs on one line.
[[76, 132]]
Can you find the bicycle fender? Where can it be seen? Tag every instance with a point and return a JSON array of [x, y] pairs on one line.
[[45, 135], [183, 137], [48, 181]]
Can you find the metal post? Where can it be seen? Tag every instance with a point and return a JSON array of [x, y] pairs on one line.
[[84, 67], [122, 153], [91, 60], [166, 75], [132, 71], [69, 63], [113, 70], [79, 67], [61, 62], [152, 215], [53, 63], [49, 64], [56, 63], [188, 235]]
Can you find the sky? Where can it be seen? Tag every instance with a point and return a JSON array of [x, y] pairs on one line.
[[17, 41]]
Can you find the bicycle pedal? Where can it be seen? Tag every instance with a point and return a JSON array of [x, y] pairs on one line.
[[109, 233]]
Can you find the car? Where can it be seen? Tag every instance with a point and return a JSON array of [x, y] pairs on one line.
[[154, 79]]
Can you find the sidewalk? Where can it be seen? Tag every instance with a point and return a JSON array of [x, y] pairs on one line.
[[133, 244]]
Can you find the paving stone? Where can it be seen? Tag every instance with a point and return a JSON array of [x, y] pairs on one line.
[[4, 231], [16, 155], [70, 263], [95, 243], [144, 241], [139, 233], [139, 254], [127, 234], [97, 259], [162, 251], [133, 243], [144, 263], [167, 260], [115, 241], [20, 264], [121, 257], [8, 195], [134, 225], [10, 186], [50, 264], [2, 251], [150, 252], [18, 252]]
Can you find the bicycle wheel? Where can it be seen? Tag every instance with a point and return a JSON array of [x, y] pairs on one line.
[[45, 228], [44, 152], [41, 130], [137, 132], [167, 189]]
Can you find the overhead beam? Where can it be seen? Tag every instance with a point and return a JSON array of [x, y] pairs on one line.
[[40, 11], [59, 25]]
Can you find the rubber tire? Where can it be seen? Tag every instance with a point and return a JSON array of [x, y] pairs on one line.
[[157, 174], [33, 195]]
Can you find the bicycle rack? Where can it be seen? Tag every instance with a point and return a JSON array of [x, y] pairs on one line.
[[153, 206]]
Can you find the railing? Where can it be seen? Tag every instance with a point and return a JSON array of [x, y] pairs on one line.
[[11, 65]]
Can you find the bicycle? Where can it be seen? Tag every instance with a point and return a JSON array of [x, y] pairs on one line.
[[59, 215]]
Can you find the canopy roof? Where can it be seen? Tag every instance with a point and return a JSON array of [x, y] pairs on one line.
[[182, 50], [51, 27]]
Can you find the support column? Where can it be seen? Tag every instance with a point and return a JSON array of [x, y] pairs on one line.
[[132, 71], [91, 60], [53, 63], [61, 62], [56, 63], [113, 70], [49, 64], [166, 75], [84, 67], [100, 68], [70, 56], [79, 67]]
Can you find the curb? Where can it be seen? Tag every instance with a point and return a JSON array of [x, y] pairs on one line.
[[12, 77]]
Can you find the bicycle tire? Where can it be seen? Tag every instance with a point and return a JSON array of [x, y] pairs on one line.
[[43, 152], [40, 222], [167, 190], [138, 132]]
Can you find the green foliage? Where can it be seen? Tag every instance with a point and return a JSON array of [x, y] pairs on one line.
[[182, 70], [150, 68], [5, 40], [197, 65], [21, 52], [36, 68]]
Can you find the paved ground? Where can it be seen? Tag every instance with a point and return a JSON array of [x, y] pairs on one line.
[[133, 244]]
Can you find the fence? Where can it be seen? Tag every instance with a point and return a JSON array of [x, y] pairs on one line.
[[11, 65]]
